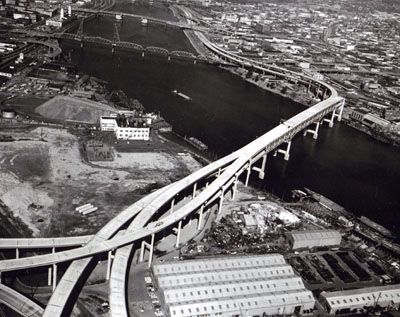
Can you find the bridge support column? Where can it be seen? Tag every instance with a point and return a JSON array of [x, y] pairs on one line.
[[261, 170], [248, 174], [309, 86], [325, 93], [235, 182], [194, 190], [142, 53], [195, 61], [178, 233], [285, 152], [49, 271], [169, 57], [330, 121], [110, 257], [151, 249], [54, 277], [17, 253], [339, 118], [200, 217], [317, 92], [207, 184], [221, 200], [313, 132], [172, 205], [150, 246]]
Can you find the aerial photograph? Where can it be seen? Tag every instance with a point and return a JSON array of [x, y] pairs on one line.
[[180, 158]]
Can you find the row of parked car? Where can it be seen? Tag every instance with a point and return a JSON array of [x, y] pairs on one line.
[[151, 291]]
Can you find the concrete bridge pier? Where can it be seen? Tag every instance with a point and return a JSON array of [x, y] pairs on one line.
[[309, 86], [313, 132], [49, 273], [248, 174], [17, 253], [194, 61], [54, 284], [169, 57], [339, 116], [261, 170], [110, 258], [81, 44], [177, 231], [142, 53], [149, 246], [325, 93], [172, 205], [200, 217], [194, 190], [284, 152], [330, 121], [234, 188], [221, 201]]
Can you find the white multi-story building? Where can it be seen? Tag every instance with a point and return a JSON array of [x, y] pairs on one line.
[[126, 128]]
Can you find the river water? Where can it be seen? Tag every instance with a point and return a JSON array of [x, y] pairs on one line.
[[226, 113]]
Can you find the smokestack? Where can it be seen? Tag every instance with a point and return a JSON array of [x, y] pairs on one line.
[[69, 10], [62, 14]]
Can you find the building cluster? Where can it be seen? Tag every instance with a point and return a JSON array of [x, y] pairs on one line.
[[232, 286], [256, 285], [26, 12], [353, 47]]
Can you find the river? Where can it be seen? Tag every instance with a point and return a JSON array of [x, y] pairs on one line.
[[226, 112]]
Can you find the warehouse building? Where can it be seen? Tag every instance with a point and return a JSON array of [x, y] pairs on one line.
[[232, 286], [314, 238], [359, 300]]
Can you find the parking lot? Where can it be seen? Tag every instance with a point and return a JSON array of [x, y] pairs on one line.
[[143, 297], [327, 270]]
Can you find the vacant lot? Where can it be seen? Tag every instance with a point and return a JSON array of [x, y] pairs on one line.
[[43, 179]]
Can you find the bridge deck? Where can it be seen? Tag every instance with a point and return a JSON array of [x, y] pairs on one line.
[[43, 243], [19, 303], [237, 161]]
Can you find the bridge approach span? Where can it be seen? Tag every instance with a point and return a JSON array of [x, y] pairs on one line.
[[234, 165], [268, 142], [44, 243]]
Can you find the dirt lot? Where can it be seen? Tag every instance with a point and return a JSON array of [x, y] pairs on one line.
[[43, 179]]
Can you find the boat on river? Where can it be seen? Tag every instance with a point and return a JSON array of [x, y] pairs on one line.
[[196, 143], [176, 92]]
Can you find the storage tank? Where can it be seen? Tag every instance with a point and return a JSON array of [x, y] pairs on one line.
[[9, 114]]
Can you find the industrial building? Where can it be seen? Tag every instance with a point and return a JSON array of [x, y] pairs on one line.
[[314, 238], [232, 286], [359, 300], [127, 127]]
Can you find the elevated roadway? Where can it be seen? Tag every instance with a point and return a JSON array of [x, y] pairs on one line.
[[19, 303], [222, 174], [44, 243]]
